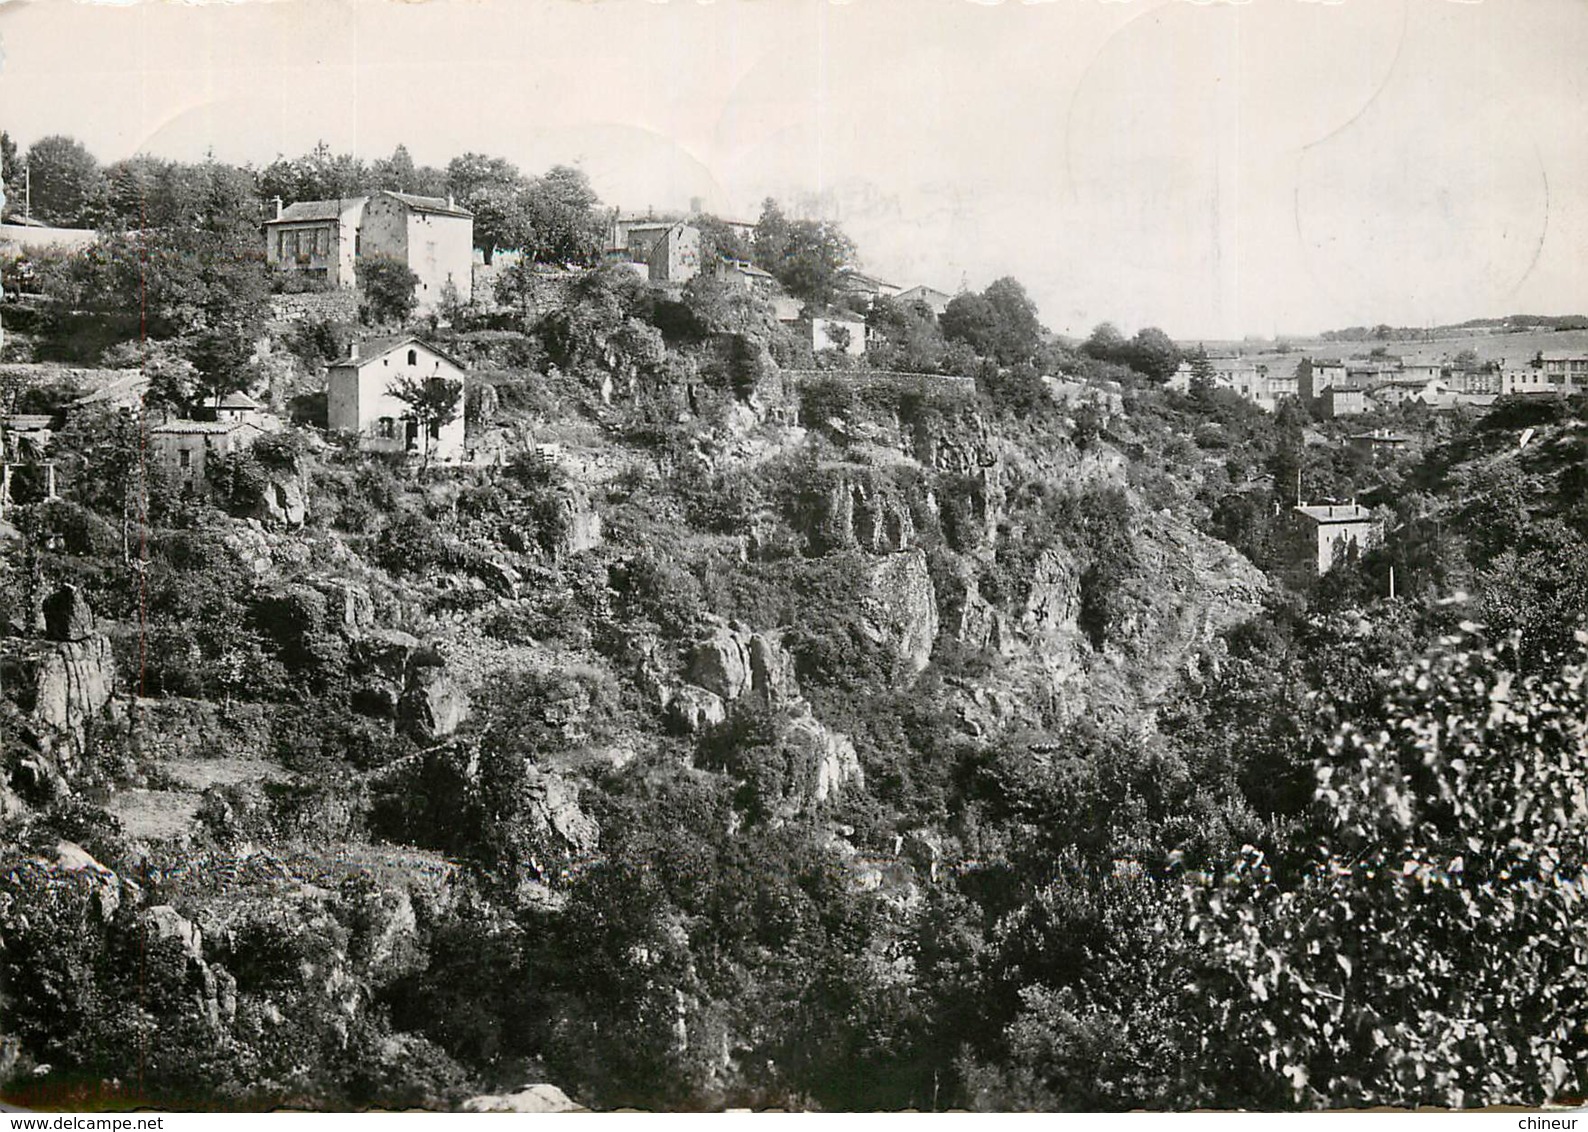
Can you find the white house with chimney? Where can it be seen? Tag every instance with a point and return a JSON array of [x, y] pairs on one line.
[[360, 398]]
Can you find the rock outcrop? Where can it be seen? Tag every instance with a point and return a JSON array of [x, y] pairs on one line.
[[62, 683], [433, 705], [900, 608], [732, 660], [67, 616], [830, 755], [694, 709], [554, 806], [400, 676]]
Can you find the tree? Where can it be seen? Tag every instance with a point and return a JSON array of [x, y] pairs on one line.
[[1000, 323], [494, 190], [65, 181], [1019, 334], [805, 256], [1201, 372], [719, 239], [970, 318], [10, 174], [395, 173], [771, 236], [1430, 953], [1106, 343], [1152, 352], [565, 225], [388, 285], [434, 402]]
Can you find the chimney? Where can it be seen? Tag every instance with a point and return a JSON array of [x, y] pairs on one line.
[[278, 208], [450, 202], [352, 351]]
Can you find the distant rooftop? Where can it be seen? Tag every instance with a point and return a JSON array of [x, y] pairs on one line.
[[307, 210], [1335, 512], [206, 428]]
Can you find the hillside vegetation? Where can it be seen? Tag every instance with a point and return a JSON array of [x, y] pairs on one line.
[[769, 730]]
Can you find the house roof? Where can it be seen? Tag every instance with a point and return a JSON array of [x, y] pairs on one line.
[[203, 428], [440, 206], [238, 400], [373, 349], [127, 387], [746, 268], [307, 210], [921, 290], [1563, 355], [1335, 512], [851, 275]]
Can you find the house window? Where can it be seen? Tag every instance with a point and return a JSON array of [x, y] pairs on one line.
[[413, 357], [184, 458], [387, 429]]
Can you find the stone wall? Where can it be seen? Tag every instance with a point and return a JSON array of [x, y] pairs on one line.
[[548, 288], [340, 305]]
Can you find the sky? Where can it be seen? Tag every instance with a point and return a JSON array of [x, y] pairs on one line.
[[1217, 169]]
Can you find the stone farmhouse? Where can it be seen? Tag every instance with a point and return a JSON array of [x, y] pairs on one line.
[[186, 446], [326, 239], [360, 399]]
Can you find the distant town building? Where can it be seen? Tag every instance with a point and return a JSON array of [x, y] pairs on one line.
[[326, 239], [188, 445], [1566, 371], [1342, 401], [867, 288], [930, 297], [741, 273], [674, 257], [360, 398], [1380, 443], [1335, 530], [432, 235]]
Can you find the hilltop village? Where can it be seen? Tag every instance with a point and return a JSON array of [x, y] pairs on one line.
[[463, 645]]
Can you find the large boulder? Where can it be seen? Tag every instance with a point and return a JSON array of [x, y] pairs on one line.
[[283, 501], [349, 606], [900, 608], [693, 709], [433, 705], [772, 668], [67, 616], [531, 1098], [555, 807], [831, 756], [721, 663]]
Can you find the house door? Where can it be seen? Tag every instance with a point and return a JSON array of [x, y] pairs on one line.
[[411, 434]]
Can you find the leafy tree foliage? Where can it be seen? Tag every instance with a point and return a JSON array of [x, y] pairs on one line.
[[1427, 956], [805, 256], [388, 290], [1000, 322], [66, 182]]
